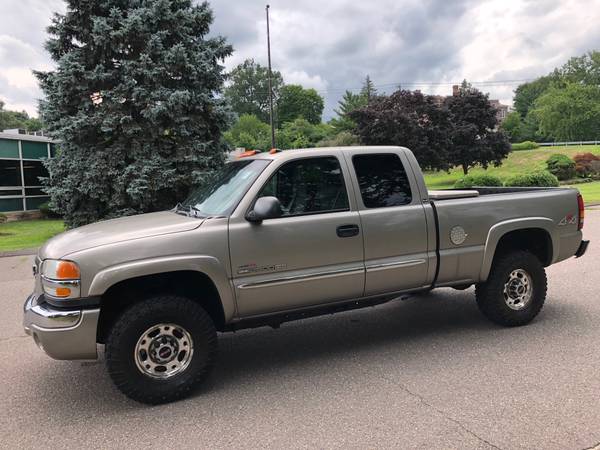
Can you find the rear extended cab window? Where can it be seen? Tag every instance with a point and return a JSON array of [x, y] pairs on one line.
[[382, 180]]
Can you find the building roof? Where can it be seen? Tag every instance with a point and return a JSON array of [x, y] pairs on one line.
[[25, 137]]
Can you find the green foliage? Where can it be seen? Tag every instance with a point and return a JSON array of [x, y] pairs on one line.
[[48, 213], [15, 119], [300, 133], [250, 133], [511, 125], [527, 93], [561, 166], [525, 145], [587, 165], [135, 101], [248, 91], [478, 180], [581, 71], [341, 139], [368, 90], [349, 102], [295, 101], [541, 178], [570, 113], [473, 136]]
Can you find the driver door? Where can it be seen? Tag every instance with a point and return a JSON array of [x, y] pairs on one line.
[[312, 254]]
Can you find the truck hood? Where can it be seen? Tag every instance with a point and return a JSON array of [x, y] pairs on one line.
[[117, 230]]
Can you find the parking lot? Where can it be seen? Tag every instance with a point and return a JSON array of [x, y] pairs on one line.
[[428, 372]]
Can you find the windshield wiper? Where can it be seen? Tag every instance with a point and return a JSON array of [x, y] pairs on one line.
[[189, 210]]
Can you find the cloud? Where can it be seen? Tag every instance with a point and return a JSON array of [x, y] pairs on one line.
[[332, 45], [22, 34]]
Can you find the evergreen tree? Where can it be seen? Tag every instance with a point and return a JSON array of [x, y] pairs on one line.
[[349, 102], [368, 90], [134, 101]]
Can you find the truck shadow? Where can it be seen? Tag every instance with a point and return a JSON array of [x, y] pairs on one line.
[[430, 326]]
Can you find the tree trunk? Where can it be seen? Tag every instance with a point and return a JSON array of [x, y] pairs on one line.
[[465, 169]]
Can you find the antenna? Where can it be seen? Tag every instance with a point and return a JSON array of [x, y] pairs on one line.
[[270, 87]]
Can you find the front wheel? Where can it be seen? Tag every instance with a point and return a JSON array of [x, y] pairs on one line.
[[515, 290], [161, 348]]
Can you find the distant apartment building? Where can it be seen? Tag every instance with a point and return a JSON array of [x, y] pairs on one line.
[[501, 109], [21, 166]]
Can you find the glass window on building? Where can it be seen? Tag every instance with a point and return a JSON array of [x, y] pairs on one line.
[[11, 204], [10, 172], [32, 170], [34, 150], [9, 148]]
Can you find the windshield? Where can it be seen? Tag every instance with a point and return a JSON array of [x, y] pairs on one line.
[[222, 192]]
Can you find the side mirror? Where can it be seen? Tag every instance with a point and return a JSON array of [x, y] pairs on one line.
[[265, 208]]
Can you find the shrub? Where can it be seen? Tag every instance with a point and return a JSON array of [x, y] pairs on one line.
[[47, 213], [586, 164], [561, 166], [525, 145], [478, 180], [342, 139], [3, 218], [542, 178]]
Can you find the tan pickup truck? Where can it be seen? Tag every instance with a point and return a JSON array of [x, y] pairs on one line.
[[281, 236]]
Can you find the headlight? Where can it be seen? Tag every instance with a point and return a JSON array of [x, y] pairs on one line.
[[61, 279]]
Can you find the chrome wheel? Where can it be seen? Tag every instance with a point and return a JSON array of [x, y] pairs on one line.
[[518, 289], [164, 350]]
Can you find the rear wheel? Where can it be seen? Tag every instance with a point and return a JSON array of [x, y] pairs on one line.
[[515, 290], [160, 349]]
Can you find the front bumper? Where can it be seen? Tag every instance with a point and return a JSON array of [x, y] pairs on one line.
[[62, 334]]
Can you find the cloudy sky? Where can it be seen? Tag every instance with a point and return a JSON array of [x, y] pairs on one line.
[[331, 45]]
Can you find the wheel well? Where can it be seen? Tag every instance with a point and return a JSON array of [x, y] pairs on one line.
[[191, 284], [534, 240]]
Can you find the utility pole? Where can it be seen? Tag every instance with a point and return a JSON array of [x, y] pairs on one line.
[[270, 87]]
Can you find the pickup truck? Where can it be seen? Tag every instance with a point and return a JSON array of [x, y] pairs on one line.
[[287, 235]]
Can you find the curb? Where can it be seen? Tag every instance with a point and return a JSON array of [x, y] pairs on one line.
[[23, 252]]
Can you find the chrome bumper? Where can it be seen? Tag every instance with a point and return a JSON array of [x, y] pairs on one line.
[[69, 334]]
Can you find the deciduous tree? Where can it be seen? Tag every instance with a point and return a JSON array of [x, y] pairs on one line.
[[295, 101], [473, 135], [571, 113], [409, 119], [248, 89]]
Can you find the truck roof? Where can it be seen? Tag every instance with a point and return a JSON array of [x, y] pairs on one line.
[[288, 154]]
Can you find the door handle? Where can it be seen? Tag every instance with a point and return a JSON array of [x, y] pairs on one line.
[[347, 230]]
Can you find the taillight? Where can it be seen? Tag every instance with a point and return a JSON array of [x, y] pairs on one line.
[[581, 207]]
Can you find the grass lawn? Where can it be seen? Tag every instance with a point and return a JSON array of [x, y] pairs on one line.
[[28, 233], [522, 162]]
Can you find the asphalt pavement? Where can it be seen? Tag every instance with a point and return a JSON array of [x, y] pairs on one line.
[[428, 372]]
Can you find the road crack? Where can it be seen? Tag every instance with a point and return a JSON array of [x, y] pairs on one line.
[[451, 419]]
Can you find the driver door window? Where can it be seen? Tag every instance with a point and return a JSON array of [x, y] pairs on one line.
[[308, 186]]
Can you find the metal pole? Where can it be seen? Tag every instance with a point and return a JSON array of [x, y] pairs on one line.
[[270, 87]]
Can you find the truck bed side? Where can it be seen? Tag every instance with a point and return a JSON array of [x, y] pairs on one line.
[[545, 218]]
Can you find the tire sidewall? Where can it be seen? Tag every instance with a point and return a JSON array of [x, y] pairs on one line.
[[490, 297], [128, 329]]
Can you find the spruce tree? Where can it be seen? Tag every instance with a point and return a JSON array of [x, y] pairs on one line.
[[135, 102]]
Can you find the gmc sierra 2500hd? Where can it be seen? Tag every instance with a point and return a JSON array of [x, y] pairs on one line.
[[285, 235]]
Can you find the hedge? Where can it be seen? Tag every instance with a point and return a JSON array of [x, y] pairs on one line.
[[542, 179], [478, 180], [526, 145]]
